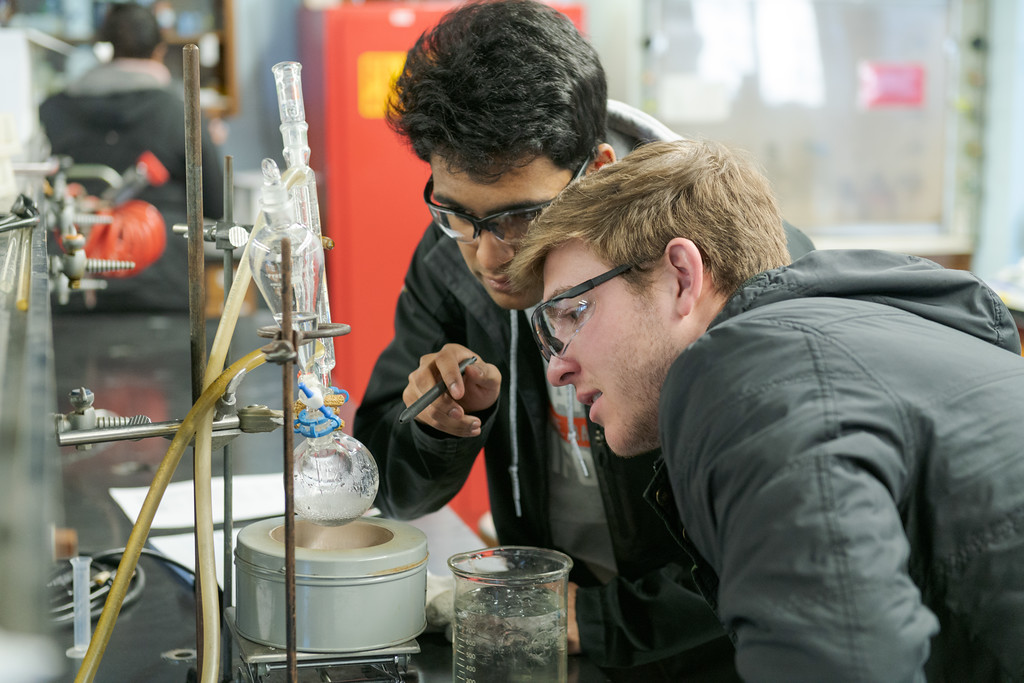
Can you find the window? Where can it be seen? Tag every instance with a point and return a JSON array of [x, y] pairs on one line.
[[865, 114]]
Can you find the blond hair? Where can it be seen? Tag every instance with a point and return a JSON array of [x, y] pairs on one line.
[[628, 212]]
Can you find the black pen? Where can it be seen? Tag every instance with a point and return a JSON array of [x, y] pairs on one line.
[[417, 406]]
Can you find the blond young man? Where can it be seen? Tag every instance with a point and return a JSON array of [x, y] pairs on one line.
[[840, 437]]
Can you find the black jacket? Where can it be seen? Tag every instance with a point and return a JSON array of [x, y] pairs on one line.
[[648, 615], [851, 477], [113, 127]]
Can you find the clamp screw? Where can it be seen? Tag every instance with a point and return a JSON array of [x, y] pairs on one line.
[[81, 398]]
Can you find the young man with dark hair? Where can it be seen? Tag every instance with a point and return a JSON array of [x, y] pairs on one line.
[[841, 436], [507, 102]]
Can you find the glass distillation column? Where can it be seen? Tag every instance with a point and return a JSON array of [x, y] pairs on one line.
[[287, 77], [307, 260], [334, 474]]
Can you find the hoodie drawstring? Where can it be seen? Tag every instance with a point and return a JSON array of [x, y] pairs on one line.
[[513, 387], [573, 442]]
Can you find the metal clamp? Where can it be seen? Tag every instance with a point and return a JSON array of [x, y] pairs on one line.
[[282, 350]]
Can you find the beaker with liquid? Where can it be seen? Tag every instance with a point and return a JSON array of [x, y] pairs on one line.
[[511, 615]]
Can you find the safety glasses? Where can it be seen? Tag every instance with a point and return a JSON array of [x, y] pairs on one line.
[[507, 226], [559, 319]]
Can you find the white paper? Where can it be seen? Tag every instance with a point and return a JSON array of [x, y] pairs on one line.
[[254, 496], [447, 535]]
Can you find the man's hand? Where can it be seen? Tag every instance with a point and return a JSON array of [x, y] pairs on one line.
[[574, 628], [472, 391]]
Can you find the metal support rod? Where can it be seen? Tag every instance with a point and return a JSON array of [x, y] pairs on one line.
[[194, 215], [289, 480], [168, 429]]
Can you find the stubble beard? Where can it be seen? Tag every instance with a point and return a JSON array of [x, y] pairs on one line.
[[642, 388]]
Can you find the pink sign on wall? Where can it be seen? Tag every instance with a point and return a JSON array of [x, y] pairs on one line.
[[890, 84]]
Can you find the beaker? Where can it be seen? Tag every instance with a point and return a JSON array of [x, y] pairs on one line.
[[511, 615]]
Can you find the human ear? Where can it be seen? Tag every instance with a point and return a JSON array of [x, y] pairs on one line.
[[605, 155], [686, 273]]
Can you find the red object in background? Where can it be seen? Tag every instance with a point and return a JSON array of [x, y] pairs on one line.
[[156, 173], [137, 233], [148, 171], [890, 85], [370, 182], [472, 500]]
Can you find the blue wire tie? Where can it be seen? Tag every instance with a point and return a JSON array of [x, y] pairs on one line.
[[311, 427]]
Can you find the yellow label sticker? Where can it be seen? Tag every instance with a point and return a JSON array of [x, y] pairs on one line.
[[376, 73]]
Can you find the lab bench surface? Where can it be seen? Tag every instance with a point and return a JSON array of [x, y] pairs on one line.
[[139, 364]]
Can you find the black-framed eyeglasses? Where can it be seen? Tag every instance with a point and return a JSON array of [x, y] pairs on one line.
[[557, 321], [507, 226]]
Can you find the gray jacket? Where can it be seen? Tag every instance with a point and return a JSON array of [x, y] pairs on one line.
[[851, 479]]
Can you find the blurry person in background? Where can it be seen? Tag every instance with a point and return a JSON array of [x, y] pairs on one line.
[[112, 115]]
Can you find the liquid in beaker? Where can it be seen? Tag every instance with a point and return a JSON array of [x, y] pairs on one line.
[[511, 615]]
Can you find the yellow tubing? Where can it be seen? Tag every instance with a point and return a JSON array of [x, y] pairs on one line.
[[137, 538], [232, 307], [233, 304], [206, 567]]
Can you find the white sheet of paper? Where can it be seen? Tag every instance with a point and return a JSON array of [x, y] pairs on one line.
[[447, 535], [254, 496]]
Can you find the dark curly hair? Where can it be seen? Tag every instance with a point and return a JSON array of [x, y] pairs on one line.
[[132, 30], [497, 84]]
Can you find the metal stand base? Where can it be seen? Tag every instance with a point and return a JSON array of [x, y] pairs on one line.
[[265, 664]]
